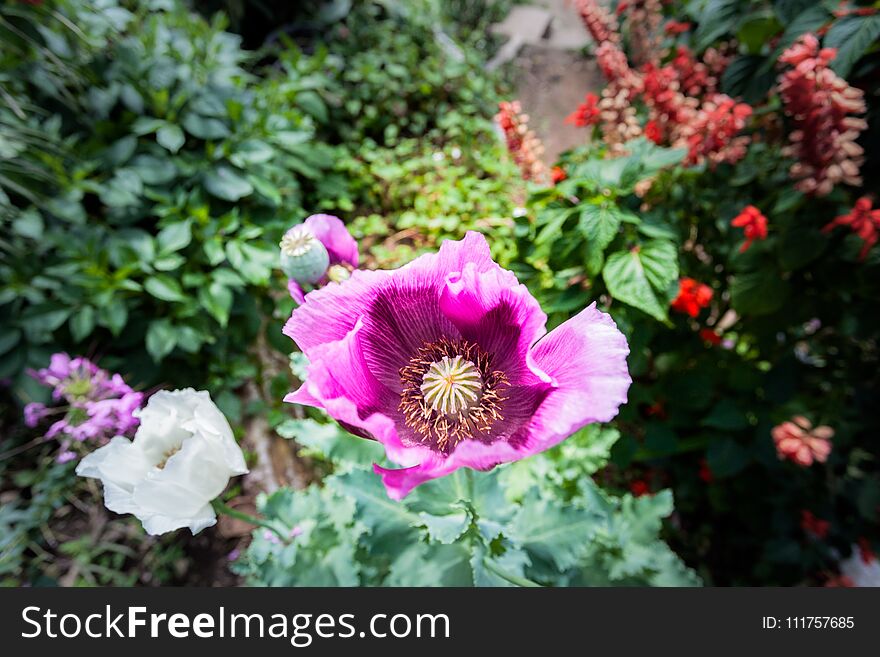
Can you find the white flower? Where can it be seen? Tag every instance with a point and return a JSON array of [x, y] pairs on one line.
[[181, 458]]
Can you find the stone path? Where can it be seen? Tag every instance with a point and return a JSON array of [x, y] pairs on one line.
[[546, 40]]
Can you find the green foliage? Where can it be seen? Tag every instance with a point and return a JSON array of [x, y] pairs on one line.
[[165, 216], [512, 526], [589, 225]]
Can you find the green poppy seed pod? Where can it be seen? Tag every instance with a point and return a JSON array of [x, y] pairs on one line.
[[303, 257]]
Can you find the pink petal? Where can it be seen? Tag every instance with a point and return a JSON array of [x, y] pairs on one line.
[[333, 234]]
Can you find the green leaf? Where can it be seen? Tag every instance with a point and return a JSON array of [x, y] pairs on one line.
[[161, 339], [331, 442], [205, 128], [556, 533], [384, 517], [174, 237], [726, 457], [726, 415], [82, 323], [446, 528], [217, 300], [715, 19], [171, 138], [114, 316], [29, 224], [599, 224], [9, 337], [757, 30], [853, 36], [225, 183], [255, 264], [140, 242], [154, 170], [758, 292], [164, 287], [643, 277]]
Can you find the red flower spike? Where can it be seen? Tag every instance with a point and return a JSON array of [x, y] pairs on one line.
[[822, 107]]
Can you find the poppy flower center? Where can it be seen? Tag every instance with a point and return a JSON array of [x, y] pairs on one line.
[[298, 241], [450, 392], [452, 385]]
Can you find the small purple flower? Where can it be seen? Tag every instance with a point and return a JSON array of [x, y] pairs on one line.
[[94, 405], [65, 456], [327, 231], [447, 363], [34, 413]]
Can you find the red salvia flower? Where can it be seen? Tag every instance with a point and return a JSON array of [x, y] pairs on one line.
[[753, 223], [557, 174], [813, 525], [600, 23], [522, 144], [864, 222], [587, 113], [821, 106], [692, 297], [710, 336]]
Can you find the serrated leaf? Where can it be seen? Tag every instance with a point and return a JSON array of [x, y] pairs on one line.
[[382, 516], [599, 224], [330, 441], [558, 534], [642, 277], [446, 528], [853, 37]]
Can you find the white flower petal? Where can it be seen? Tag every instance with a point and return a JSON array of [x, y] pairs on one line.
[[182, 457]]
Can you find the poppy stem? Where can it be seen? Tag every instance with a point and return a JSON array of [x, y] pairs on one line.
[[221, 507], [510, 577]]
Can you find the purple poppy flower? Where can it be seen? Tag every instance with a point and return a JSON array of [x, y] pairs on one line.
[[447, 363], [331, 233]]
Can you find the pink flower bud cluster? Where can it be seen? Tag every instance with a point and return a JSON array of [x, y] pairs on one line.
[[525, 148], [644, 18], [600, 23], [821, 106]]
